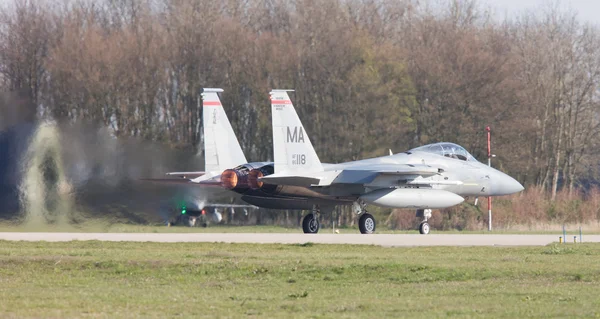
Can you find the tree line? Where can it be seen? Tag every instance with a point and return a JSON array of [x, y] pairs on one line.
[[369, 75]]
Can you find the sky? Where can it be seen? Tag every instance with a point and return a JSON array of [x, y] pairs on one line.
[[587, 10]]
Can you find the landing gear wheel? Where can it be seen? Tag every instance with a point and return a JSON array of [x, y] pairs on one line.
[[424, 228], [366, 224], [310, 224]]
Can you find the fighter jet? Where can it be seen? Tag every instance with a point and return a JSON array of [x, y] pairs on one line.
[[433, 176]]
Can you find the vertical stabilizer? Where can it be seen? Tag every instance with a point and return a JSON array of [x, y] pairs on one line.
[[293, 151], [221, 148]]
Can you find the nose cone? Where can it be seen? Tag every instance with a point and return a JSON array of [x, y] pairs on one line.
[[503, 184]]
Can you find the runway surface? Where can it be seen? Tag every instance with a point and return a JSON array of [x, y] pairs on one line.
[[388, 240]]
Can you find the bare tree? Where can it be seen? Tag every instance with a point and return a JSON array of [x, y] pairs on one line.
[[25, 37]]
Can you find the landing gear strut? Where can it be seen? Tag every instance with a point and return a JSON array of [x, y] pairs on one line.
[[310, 223], [424, 226], [366, 222]]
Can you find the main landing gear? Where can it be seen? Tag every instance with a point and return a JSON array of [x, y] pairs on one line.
[[310, 223], [366, 222], [424, 226]]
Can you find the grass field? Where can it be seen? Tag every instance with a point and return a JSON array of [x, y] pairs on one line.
[[102, 279]]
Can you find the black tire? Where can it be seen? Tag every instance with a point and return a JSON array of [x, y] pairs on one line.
[[424, 228], [310, 224], [366, 224]]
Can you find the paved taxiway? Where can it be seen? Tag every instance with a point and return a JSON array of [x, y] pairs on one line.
[[389, 240]]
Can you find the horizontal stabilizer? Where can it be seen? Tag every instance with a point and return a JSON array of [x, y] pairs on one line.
[[187, 175], [167, 180], [181, 181], [207, 183]]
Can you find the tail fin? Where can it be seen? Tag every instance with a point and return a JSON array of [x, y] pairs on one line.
[[293, 151], [221, 148]]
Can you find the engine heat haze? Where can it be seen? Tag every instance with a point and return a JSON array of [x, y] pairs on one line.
[[429, 177]]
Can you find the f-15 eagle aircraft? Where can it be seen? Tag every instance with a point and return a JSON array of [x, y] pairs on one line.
[[433, 176]]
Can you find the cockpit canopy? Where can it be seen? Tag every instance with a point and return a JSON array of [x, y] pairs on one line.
[[446, 149]]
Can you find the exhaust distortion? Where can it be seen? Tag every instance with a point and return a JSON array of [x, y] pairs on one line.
[[64, 175]]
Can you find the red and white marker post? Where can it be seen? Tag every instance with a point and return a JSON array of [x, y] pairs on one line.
[[489, 149]]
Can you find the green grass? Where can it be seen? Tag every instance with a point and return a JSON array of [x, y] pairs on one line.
[[102, 279]]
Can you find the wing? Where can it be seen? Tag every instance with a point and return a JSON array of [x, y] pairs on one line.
[[382, 175], [389, 169], [183, 180]]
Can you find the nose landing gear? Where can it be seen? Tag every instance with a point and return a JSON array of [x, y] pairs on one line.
[[424, 228]]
